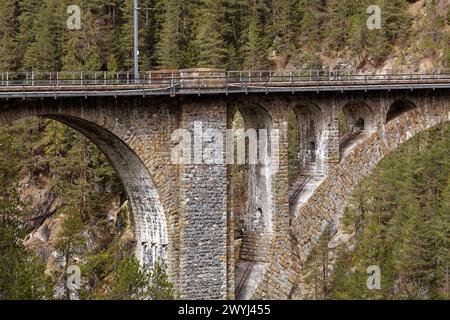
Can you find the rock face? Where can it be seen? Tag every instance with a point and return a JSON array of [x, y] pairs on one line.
[[45, 224]]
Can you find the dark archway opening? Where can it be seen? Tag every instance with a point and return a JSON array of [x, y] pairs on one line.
[[312, 151], [359, 125], [398, 108], [309, 142], [355, 120]]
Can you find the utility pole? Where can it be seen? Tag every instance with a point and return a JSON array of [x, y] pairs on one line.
[[136, 41]]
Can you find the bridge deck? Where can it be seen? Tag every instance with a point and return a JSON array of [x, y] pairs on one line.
[[30, 86]]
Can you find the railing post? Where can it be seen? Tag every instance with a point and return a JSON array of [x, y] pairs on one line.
[[226, 83], [128, 77], [81, 78], [172, 85], [104, 77], [7, 79], [198, 85]]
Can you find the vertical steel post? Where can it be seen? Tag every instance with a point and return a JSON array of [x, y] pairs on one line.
[[136, 40]]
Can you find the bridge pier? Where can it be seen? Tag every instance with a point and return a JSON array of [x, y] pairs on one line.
[[203, 200], [185, 212]]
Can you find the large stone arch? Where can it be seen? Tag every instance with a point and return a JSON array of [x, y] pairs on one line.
[[260, 204], [124, 148], [328, 201]]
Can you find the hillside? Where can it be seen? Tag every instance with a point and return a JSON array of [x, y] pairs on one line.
[[398, 220], [231, 34]]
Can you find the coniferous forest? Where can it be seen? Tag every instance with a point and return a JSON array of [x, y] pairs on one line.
[[61, 201], [398, 219], [230, 34]]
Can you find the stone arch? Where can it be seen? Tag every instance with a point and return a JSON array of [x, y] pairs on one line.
[[328, 203], [399, 107], [260, 194], [259, 214], [355, 120], [312, 129], [329, 199], [148, 214], [357, 112]]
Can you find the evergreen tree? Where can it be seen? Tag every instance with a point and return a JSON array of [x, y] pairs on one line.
[[210, 43], [44, 53], [8, 30], [256, 51], [22, 273], [399, 218], [311, 13], [170, 49], [27, 20], [338, 16], [70, 242]]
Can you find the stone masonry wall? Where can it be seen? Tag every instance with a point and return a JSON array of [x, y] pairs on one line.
[[135, 134], [329, 200], [203, 225], [183, 212]]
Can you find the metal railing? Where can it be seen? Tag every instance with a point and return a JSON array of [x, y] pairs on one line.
[[208, 81]]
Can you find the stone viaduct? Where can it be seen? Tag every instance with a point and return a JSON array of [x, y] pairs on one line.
[[184, 213]]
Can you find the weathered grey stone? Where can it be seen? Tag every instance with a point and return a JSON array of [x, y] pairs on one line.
[[184, 212]]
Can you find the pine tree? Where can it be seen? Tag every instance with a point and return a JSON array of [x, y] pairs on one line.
[[70, 242], [311, 14], [210, 43], [44, 53], [8, 30], [339, 13], [22, 273], [286, 21], [91, 50], [317, 269], [27, 20], [170, 48], [256, 51]]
